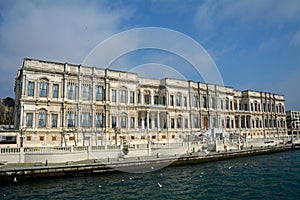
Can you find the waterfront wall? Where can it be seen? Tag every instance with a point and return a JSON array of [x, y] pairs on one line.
[[66, 154], [73, 154]]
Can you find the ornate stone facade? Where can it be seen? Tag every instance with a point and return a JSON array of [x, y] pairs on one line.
[[61, 104]]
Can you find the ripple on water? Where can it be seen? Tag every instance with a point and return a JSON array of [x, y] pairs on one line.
[[273, 176]]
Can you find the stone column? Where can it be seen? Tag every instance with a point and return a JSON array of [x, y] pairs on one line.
[[152, 98], [143, 122], [152, 121], [147, 122], [142, 96], [158, 121]]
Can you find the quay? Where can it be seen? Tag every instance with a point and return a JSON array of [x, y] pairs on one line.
[[145, 164]]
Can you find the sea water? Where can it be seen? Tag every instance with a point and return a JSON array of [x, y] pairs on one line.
[[274, 176]]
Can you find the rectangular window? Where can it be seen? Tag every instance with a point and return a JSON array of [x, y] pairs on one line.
[[85, 120], [132, 122], [28, 138], [131, 97], [147, 99], [178, 100], [172, 123], [171, 100], [54, 120], [179, 122], [204, 102], [29, 117], [42, 119], [53, 138], [55, 91], [123, 122], [196, 122], [99, 120], [195, 101], [113, 121], [155, 100], [122, 96], [43, 89], [99, 93], [113, 96], [71, 119], [71, 91], [42, 138], [186, 123], [30, 91], [185, 101], [85, 92]]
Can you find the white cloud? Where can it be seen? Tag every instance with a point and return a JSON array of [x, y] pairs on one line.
[[60, 31], [212, 13]]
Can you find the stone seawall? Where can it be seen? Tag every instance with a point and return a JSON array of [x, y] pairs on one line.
[[8, 174]]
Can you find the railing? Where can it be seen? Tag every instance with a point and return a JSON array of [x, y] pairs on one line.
[[50, 150], [9, 150]]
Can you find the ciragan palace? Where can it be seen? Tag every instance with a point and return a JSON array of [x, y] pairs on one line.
[[62, 104]]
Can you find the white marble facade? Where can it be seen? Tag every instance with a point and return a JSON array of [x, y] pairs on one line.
[[61, 104]]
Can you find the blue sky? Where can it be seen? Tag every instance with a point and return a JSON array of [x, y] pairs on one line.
[[254, 43]]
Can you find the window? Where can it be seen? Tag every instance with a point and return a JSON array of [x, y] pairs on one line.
[[185, 101], [71, 91], [42, 119], [71, 119], [113, 121], [163, 99], [55, 91], [113, 96], [30, 91], [172, 123], [204, 102], [132, 122], [53, 138], [171, 100], [227, 104], [85, 92], [99, 93], [221, 102], [54, 120], [131, 97], [85, 120], [213, 102], [178, 100], [43, 89], [186, 123], [28, 138], [99, 120], [122, 96], [123, 121], [156, 100], [227, 123], [196, 122], [179, 122], [195, 101], [42, 138], [147, 99], [29, 119]]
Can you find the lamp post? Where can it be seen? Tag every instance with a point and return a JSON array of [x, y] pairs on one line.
[[22, 137]]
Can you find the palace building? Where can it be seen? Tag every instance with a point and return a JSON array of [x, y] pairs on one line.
[[62, 104]]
